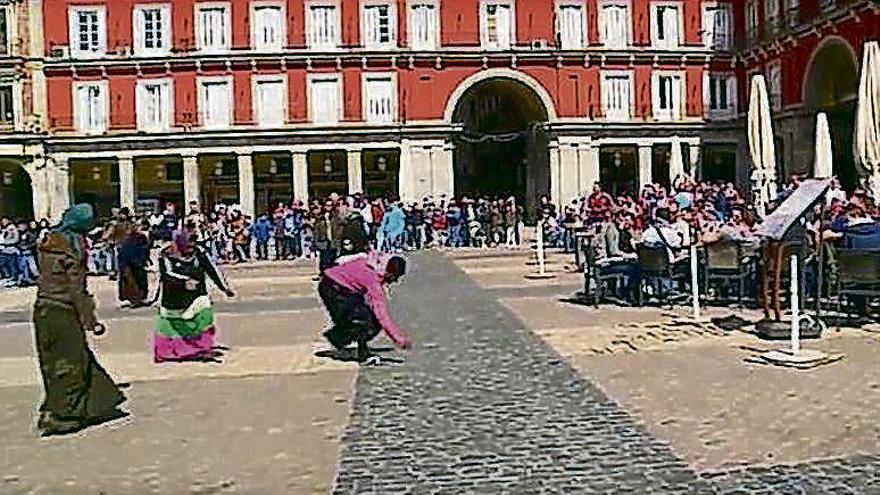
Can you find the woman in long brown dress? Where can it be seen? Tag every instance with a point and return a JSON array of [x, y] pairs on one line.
[[78, 392], [134, 257]]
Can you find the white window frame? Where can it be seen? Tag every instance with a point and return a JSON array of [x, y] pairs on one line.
[[719, 7], [773, 92], [585, 37], [200, 84], [137, 23], [677, 111], [773, 18], [605, 74], [629, 23], [15, 87], [655, 33], [434, 43], [73, 31], [255, 35], [340, 100], [731, 110], [392, 26], [255, 97], [142, 124], [200, 28], [77, 107], [365, 97], [752, 21], [310, 42], [484, 24], [11, 30]]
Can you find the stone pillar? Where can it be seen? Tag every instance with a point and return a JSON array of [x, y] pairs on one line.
[[590, 173], [246, 184], [570, 170], [192, 188], [355, 172], [694, 158], [58, 175], [646, 157], [40, 187], [555, 175], [300, 176], [126, 182], [442, 170]]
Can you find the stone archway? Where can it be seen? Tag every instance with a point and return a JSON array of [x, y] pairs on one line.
[[831, 86], [502, 149]]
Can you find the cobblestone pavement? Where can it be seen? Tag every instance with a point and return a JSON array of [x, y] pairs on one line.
[[482, 405]]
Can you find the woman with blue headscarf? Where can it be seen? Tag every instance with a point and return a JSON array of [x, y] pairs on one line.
[[78, 392]]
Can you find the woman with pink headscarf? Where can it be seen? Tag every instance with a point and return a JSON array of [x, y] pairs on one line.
[[185, 324]]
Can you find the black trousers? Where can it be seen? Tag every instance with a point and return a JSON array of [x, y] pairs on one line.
[[353, 320]]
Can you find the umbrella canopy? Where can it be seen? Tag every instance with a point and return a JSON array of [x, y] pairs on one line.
[[822, 167], [761, 146], [676, 161], [867, 128]]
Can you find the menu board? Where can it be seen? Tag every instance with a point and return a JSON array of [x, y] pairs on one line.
[[777, 224]]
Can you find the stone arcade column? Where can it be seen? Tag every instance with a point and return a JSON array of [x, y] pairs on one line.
[[646, 158], [355, 172], [694, 157], [591, 172], [300, 176], [40, 187], [192, 188], [579, 164], [246, 183], [58, 179], [555, 174], [126, 182]]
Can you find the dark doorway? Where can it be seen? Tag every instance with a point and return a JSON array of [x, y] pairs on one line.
[[381, 173], [328, 173], [831, 86], [502, 150], [95, 182], [16, 195], [719, 163], [618, 169]]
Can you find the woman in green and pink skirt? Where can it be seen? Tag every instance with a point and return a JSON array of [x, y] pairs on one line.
[[185, 325]]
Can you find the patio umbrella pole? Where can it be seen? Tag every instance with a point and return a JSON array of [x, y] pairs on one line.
[[695, 288], [795, 308]]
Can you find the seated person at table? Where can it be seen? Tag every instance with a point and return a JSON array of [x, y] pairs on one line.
[[856, 230], [661, 233]]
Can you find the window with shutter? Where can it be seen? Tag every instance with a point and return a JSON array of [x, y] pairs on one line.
[[323, 27], [665, 26], [379, 23], [571, 26], [614, 25], [87, 31], [90, 109], [423, 26], [270, 102], [667, 96], [774, 83], [751, 18], [324, 100], [216, 103], [152, 30], [7, 108], [154, 105], [4, 30], [213, 28], [616, 95], [379, 98], [268, 28], [497, 22]]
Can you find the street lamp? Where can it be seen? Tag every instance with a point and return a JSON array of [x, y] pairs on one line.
[[160, 172], [96, 173], [218, 169], [617, 160], [328, 165], [273, 167], [382, 164], [7, 178]]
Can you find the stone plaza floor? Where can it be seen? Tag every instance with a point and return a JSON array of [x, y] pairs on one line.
[[510, 388]]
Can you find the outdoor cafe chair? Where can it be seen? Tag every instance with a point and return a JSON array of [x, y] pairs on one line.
[[654, 266], [858, 274], [724, 263]]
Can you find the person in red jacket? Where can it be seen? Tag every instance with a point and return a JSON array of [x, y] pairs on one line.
[[353, 291]]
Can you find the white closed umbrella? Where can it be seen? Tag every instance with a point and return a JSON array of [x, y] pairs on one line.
[[822, 167], [761, 146], [676, 161], [867, 129]]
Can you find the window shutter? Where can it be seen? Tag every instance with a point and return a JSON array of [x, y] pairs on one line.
[[675, 97], [670, 15], [504, 26]]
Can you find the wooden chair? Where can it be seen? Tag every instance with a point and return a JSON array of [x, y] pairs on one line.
[[724, 263], [858, 274]]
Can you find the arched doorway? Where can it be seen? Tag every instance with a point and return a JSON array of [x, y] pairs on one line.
[[831, 86], [502, 149], [16, 193]]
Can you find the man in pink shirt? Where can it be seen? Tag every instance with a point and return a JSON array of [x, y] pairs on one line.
[[353, 291]]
